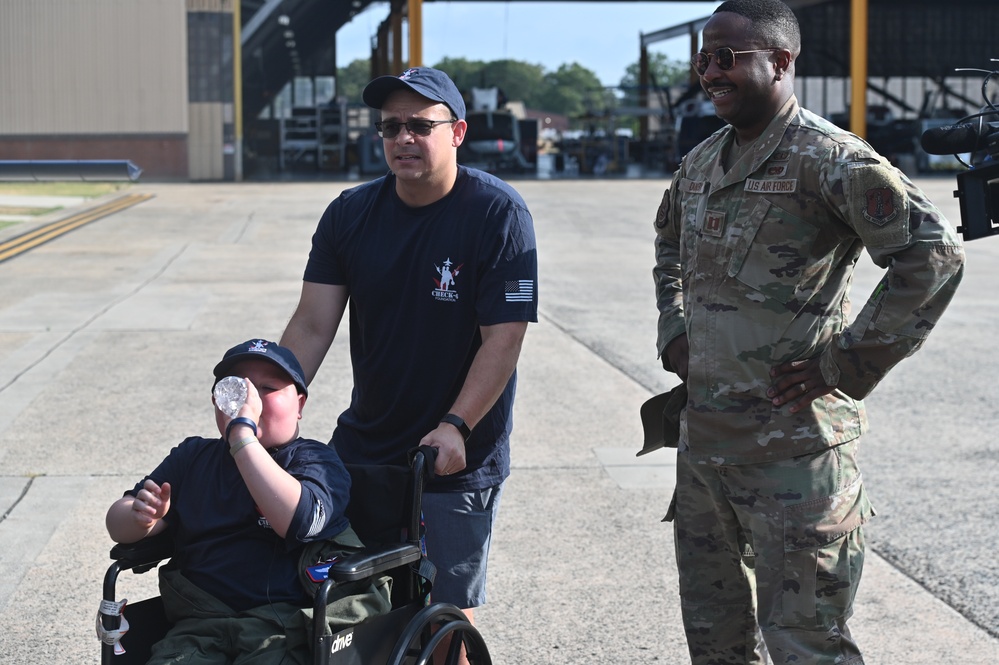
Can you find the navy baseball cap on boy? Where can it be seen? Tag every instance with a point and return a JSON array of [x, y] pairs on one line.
[[264, 350], [426, 81]]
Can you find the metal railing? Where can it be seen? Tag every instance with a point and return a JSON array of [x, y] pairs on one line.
[[69, 169]]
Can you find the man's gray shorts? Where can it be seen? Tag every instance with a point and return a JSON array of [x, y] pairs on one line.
[[459, 527]]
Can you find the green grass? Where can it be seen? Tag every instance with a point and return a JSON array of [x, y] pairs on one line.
[[77, 188], [22, 210], [68, 188]]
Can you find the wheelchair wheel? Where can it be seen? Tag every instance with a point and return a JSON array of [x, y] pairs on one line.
[[429, 628]]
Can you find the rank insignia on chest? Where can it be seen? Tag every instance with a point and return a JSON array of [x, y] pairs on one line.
[[880, 207], [713, 224]]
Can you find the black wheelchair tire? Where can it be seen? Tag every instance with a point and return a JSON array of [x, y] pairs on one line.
[[431, 626]]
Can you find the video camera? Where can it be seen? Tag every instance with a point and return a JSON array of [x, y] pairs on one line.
[[978, 187]]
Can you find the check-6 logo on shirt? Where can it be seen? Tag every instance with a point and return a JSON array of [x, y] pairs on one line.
[[448, 272]]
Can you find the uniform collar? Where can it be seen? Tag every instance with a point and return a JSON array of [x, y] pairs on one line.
[[763, 147]]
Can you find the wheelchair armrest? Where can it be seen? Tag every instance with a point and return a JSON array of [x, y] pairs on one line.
[[372, 561], [144, 554]]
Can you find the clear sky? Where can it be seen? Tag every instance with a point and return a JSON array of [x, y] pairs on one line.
[[601, 36]]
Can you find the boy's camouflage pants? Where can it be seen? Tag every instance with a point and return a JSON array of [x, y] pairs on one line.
[[769, 557]]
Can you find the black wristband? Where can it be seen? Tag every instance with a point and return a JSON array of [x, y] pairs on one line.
[[239, 421], [458, 422]]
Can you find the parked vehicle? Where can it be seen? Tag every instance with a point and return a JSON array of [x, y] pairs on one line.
[[492, 142]]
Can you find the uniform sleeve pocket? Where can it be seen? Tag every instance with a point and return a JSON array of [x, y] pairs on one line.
[[772, 251]]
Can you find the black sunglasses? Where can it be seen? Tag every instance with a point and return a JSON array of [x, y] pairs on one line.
[[725, 57], [390, 129]]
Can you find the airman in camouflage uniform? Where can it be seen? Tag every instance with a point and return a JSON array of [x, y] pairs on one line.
[[757, 239]]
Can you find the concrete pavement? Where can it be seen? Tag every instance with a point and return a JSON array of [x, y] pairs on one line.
[[107, 339], [48, 203]]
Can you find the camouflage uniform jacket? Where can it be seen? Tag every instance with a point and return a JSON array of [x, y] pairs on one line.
[[755, 265]]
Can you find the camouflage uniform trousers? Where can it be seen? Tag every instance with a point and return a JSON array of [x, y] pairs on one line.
[[770, 557]]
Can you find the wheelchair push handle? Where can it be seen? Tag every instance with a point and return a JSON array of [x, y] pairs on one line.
[[423, 460]]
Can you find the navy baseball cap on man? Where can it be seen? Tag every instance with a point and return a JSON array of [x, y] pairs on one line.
[[264, 350], [426, 81]]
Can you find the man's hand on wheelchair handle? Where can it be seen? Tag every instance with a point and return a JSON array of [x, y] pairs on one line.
[[450, 447]]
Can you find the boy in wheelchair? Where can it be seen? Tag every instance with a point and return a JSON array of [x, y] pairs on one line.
[[248, 514]]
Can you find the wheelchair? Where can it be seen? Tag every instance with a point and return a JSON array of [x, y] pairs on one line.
[[385, 512]]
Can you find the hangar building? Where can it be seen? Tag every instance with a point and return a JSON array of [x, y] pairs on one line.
[[177, 85]]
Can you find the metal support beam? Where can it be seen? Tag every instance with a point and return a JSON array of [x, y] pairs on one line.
[[415, 33], [695, 46], [858, 67], [69, 169], [691, 29], [379, 53], [681, 30], [237, 92], [643, 93], [258, 19], [395, 59]]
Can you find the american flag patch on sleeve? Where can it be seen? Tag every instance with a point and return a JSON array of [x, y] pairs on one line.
[[318, 519], [521, 290]]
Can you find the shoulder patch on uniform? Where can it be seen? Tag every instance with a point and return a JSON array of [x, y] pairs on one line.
[[663, 213], [878, 205], [881, 205]]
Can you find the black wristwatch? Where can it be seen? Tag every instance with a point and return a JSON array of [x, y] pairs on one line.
[[458, 422]]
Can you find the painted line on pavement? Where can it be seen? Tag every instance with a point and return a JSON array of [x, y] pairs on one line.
[[22, 243]]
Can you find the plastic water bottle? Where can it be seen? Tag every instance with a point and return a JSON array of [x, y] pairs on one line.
[[230, 395]]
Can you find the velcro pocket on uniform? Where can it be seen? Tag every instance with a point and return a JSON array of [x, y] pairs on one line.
[[772, 251], [818, 564], [815, 523]]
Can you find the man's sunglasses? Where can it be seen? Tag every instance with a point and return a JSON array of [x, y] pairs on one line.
[[390, 129], [725, 57]]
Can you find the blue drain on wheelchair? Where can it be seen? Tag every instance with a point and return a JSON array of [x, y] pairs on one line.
[[320, 572]]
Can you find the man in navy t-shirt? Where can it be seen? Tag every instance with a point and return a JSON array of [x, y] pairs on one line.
[[438, 264]]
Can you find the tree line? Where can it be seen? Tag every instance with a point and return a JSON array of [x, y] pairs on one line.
[[571, 89]]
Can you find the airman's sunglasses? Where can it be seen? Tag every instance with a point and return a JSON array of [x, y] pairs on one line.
[[390, 129], [725, 57]]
